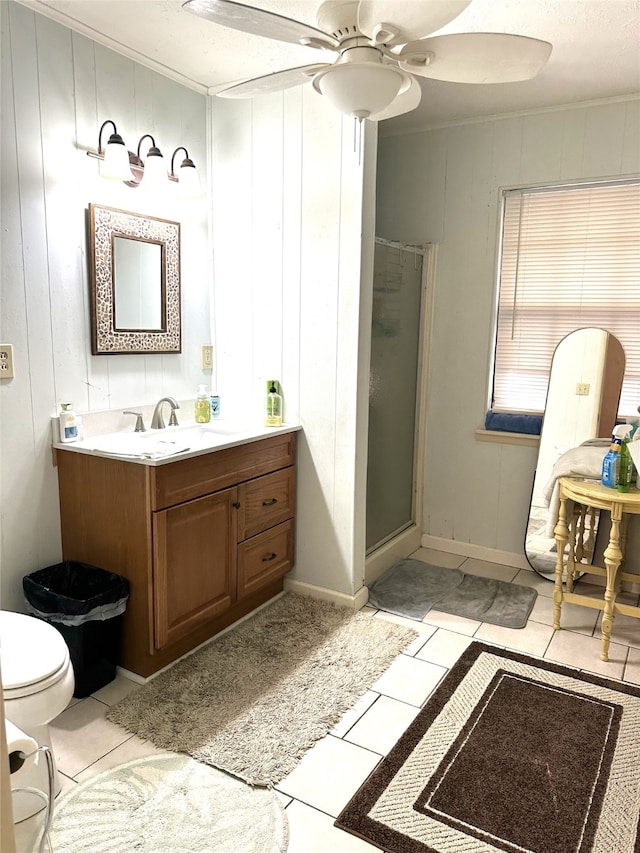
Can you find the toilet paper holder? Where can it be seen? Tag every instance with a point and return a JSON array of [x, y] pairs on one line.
[[16, 760]]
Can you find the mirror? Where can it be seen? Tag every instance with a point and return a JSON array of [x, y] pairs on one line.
[[137, 269], [135, 282], [580, 413]]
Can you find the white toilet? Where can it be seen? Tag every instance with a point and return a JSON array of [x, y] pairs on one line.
[[37, 683]]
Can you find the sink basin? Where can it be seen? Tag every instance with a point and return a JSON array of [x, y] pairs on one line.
[[156, 444]]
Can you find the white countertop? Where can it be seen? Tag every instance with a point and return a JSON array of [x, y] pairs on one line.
[[172, 444]]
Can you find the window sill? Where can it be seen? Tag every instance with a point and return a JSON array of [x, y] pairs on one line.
[[518, 438]]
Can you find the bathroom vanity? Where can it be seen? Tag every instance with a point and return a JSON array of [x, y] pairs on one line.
[[204, 537]]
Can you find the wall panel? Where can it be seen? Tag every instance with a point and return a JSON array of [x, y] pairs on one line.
[[287, 272]]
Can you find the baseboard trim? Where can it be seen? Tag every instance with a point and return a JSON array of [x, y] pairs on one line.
[[353, 602], [480, 552]]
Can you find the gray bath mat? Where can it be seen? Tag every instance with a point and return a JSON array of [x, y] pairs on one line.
[[412, 588]]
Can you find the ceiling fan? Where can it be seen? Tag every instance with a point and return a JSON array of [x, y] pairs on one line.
[[381, 46]]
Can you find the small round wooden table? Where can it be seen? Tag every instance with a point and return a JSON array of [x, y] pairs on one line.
[[621, 505]]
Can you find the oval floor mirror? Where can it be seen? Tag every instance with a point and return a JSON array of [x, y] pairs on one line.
[[580, 413]]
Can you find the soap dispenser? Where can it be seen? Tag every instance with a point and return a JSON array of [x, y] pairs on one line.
[[273, 407], [68, 423], [203, 406]]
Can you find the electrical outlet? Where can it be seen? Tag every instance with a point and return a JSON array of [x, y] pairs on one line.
[[6, 361], [206, 356], [582, 389]]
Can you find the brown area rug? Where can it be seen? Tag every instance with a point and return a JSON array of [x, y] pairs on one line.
[[510, 753]]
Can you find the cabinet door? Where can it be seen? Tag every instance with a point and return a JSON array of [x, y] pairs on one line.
[[194, 576]]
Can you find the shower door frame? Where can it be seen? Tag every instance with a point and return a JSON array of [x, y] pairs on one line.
[[409, 539]]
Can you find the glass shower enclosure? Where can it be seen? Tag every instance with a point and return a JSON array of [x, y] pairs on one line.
[[394, 379]]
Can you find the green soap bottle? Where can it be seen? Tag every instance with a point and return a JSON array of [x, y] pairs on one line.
[[273, 405], [626, 467], [203, 406]]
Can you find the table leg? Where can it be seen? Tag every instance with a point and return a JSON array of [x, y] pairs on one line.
[[574, 552], [612, 560], [561, 533]]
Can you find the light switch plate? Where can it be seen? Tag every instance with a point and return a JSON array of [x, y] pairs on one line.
[[206, 355], [582, 389], [6, 361]]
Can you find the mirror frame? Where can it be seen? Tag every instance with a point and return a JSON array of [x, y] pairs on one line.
[[105, 224]]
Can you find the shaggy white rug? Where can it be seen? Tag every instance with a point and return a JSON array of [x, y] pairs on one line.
[[167, 803], [254, 700]]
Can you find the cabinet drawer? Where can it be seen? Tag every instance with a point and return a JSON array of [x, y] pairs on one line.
[[201, 475], [265, 502], [265, 558]]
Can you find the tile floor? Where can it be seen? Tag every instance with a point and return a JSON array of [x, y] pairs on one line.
[[330, 773]]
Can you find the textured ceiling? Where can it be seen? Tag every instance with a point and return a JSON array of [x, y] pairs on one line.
[[596, 49]]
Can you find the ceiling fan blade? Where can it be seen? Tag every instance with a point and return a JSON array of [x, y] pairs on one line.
[[475, 57], [275, 82], [413, 20], [259, 22], [402, 103]]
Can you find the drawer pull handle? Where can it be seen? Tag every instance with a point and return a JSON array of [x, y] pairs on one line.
[[268, 557], [270, 502], [235, 505]]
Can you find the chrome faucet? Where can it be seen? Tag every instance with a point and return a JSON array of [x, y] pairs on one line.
[[157, 421]]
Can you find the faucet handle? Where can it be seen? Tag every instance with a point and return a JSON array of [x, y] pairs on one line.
[[140, 427]]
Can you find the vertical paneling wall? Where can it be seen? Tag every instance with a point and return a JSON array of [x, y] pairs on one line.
[[443, 186], [57, 88], [290, 248]]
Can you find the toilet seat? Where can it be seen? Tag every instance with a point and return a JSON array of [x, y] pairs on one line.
[[33, 655]]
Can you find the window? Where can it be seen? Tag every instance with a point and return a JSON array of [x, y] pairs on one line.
[[570, 258]]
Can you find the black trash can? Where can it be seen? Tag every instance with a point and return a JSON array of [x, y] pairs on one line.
[[86, 604]]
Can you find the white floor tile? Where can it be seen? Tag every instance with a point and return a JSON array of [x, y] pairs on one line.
[[444, 648], [484, 569], [525, 577], [573, 617], [626, 629], [311, 831], [409, 680], [459, 624], [632, 669], [116, 690], [438, 558], [533, 639], [352, 716], [584, 653], [329, 774], [131, 749], [82, 735], [381, 726]]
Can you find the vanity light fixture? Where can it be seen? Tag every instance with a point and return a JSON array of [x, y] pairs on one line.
[[188, 181], [152, 169], [115, 157], [117, 163]]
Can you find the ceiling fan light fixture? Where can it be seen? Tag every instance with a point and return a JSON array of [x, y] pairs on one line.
[[359, 89]]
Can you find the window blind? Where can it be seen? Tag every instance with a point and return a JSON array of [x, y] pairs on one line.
[[570, 258]]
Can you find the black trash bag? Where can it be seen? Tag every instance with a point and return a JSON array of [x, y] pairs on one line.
[[86, 605], [73, 593]]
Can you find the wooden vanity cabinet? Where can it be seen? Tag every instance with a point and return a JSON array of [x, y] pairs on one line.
[[203, 541]]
